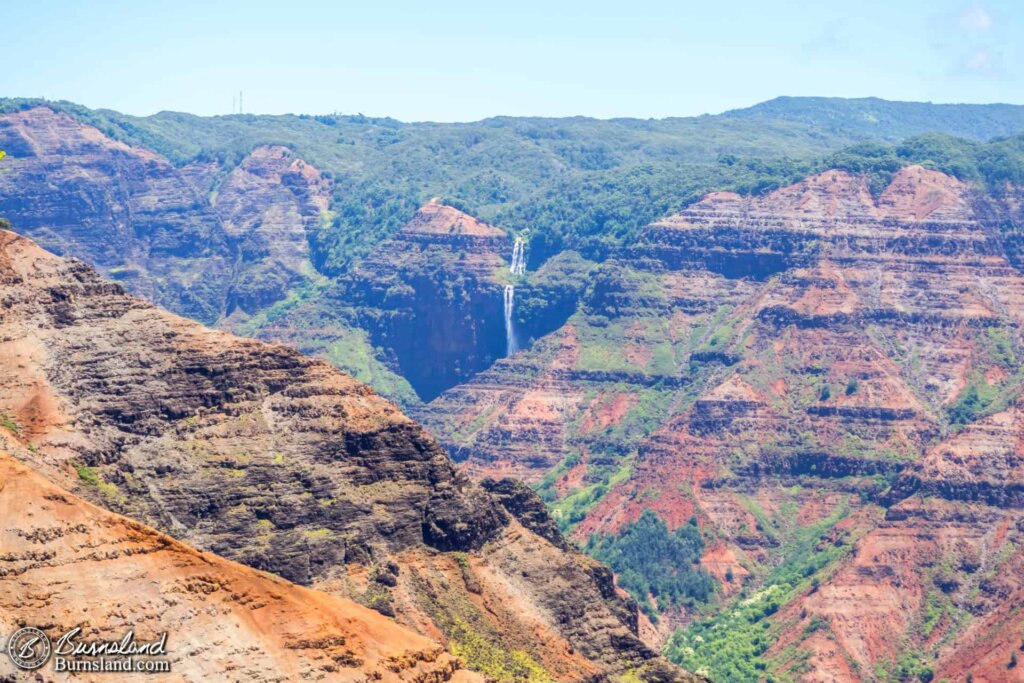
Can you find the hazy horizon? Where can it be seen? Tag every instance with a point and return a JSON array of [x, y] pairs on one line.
[[463, 62], [58, 100]]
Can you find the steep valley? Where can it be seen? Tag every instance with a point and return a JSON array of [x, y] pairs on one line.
[[433, 296], [282, 463], [788, 419], [808, 374]]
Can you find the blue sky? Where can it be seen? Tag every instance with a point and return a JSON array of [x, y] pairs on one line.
[[459, 61]]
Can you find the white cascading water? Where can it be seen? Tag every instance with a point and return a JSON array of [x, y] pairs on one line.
[[510, 333], [518, 266]]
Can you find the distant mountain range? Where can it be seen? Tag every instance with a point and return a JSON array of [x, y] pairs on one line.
[[871, 118]]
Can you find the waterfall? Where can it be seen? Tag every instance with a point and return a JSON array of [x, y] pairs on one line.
[[518, 266], [510, 332]]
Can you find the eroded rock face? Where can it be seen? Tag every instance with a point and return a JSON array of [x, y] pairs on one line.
[[76, 559], [123, 209], [793, 366], [910, 273], [283, 463], [522, 503], [269, 204], [203, 241], [432, 297], [984, 463]]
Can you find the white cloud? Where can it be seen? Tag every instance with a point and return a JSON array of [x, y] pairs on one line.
[[832, 39], [980, 61], [976, 18]]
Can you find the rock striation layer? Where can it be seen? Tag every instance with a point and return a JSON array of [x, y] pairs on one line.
[[281, 462], [269, 204], [66, 563], [813, 374], [206, 241], [125, 210]]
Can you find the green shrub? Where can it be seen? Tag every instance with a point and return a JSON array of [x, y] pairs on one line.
[[1002, 347], [973, 402], [7, 423], [89, 475], [651, 561]]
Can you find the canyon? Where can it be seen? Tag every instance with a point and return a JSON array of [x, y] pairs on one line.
[[282, 463], [822, 379], [801, 373]]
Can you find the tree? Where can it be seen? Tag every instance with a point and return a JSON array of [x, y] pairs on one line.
[[651, 561]]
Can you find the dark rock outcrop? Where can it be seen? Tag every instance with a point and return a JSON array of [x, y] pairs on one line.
[[526, 506], [124, 210]]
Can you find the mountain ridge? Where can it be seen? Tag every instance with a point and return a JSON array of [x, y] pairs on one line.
[[281, 462], [219, 616], [786, 104]]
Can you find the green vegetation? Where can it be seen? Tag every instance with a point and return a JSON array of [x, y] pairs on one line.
[[353, 353], [378, 598], [318, 534], [990, 165], [871, 117], [909, 667], [487, 657], [1001, 347], [500, 657], [280, 309], [730, 646], [9, 424], [546, 488], [89, 475], [974, 401], [574, 507], [651, 562]]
